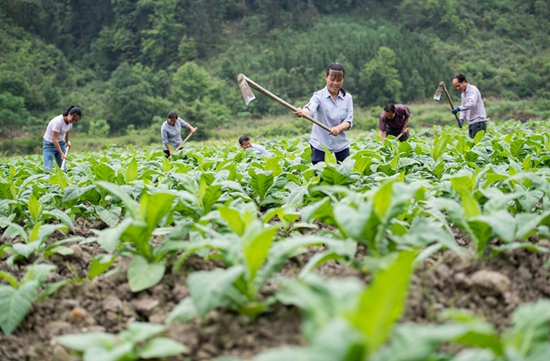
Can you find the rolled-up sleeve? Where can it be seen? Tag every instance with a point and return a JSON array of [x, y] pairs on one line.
[[183, 123], [349, 110]]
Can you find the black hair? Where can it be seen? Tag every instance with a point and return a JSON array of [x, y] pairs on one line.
[[460, 77], [172, 115], [72, 110], [243, 139], [390, 108], [338, 70]]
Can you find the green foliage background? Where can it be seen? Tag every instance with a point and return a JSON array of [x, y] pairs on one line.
[[126, 63]]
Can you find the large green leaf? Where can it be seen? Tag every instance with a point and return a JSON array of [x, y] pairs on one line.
[[440, 146], [383, 198], [234, 219], [209, 289], [260, 182], [140, 331], [110, 216], [100, 264], [183, 312], [103, 172], [61, 216], [34, 208], [26, 249], [142, 274], [15, 230], [130, 204], [256, 242], [530, 326], [210, 196], [153, 207], [15, 304], [131, 172], [84, 341], [383, 302], [337, 174], [85, 193], [161, 347]]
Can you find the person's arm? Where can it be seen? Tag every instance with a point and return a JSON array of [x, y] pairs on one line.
[[164, 136], [382, 126], [56, 143], [347, 122], [405, 125], [300, 112], [67, 140], [469, 101], [263, 150], [190, 127], [345, 125]]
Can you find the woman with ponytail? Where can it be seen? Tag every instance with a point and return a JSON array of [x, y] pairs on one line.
[[333, 107], [56, 138]]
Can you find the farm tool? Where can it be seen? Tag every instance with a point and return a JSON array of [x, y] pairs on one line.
[[246, 83], [64, 159], [182, 143], [437, 96]]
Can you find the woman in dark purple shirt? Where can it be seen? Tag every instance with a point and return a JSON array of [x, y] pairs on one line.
[[394, 120]]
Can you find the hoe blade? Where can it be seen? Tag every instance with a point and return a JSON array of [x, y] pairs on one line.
[[248, 95], [438, 91]]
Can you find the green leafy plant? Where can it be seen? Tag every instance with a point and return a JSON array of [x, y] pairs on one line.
[[526, 339], [134, 234], [137, 342], [16, 298], [34, 243], [345, 321]]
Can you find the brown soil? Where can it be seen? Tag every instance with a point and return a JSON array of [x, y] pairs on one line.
[[106, 304]]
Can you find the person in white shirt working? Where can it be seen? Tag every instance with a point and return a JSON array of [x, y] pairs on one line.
[[333, 107], [56, 138], [171, 132], [244, 141], [471, 107]]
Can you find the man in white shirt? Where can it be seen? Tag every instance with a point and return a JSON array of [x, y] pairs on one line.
[[171, 132], [471, 107], [244, 141]]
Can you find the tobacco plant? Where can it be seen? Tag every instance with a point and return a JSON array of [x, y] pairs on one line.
[[16, 298], [137, 342]]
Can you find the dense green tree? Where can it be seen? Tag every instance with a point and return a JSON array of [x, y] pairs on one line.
[[13, 115], [160, 43], [129, 99], [380, 79]]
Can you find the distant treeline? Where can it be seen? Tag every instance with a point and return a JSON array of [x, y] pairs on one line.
[[128, 62]]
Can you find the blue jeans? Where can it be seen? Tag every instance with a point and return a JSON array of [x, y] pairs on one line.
[[49, 151], [319, 155]]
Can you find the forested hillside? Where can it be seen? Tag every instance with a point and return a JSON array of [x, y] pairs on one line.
[[127, 62]]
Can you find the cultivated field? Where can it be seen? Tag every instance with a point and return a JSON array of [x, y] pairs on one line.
[[431, 249]]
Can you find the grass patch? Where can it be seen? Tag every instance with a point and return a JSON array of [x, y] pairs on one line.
[[423, 116]]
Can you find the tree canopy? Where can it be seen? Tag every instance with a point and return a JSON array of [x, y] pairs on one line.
[[128, 62]]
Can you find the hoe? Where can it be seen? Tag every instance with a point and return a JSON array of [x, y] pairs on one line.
[[245, 83], [437, 96]]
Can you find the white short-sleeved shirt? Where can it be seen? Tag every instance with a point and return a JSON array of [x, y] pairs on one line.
[[58, 125]]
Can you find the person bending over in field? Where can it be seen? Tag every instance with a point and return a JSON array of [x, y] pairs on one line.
[[394, 120], [333, 107], [244, 141], [171, 132], [56, 138]]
